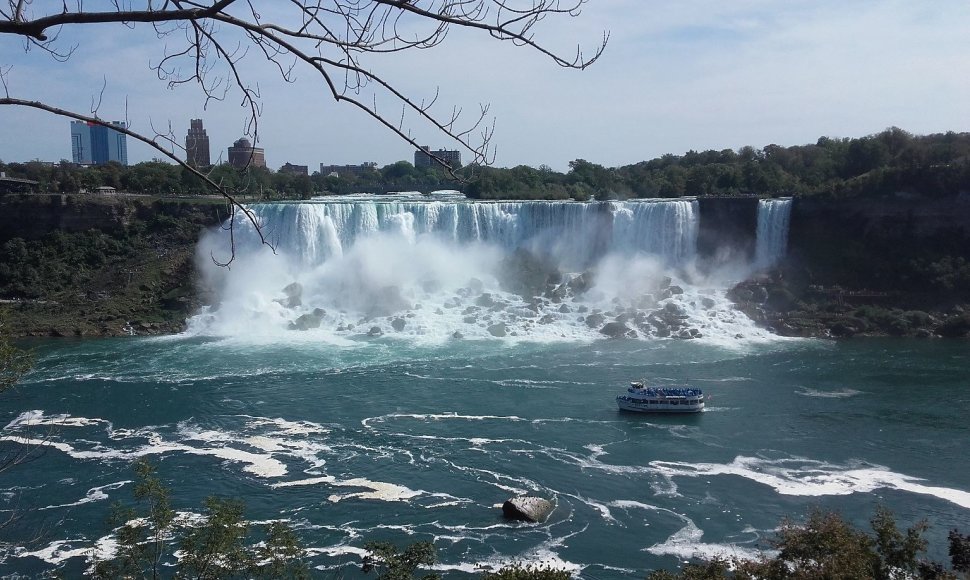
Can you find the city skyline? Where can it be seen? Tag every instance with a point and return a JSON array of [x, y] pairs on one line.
[[94, 144], [673, 78]]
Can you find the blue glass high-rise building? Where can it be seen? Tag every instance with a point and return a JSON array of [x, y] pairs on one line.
[[93, 144]]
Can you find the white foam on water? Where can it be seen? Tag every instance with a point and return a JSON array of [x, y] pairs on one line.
[[686, 544], [335, 551], [806, 477], [93, 494], [104, 548], [56, 552], [632, 504], [602, 508], [446, 504], [378, 490], [289, 428], [475, 442], [256, 464], [259, 465], [437, 417], [542, 556], [840, 394], [36, 418]]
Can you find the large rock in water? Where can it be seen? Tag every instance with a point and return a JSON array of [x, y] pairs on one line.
[[308, 321], [615, 330], [527, 508], [498, 330]]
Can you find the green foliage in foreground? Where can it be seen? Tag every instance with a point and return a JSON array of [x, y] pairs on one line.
[[393, 564], [826, 546], [220, 546], [528, 572], [14, 362]]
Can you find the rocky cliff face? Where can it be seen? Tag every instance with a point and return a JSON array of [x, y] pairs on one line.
[[99, 266], [727, 227], [31, 217], [886, 245], [897, 266]]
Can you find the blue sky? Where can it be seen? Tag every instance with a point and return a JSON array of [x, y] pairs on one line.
[[676, 75]]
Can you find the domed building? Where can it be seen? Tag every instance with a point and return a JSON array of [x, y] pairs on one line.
[[243, 154]]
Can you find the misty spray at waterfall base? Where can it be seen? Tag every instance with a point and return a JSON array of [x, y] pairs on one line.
[[445, 270]]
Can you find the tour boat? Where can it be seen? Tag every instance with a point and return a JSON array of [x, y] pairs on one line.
[[641, 398]]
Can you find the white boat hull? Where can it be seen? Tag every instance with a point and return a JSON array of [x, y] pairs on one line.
[[654, 406]]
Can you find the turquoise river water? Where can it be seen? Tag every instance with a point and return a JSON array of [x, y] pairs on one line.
[[381, 439]]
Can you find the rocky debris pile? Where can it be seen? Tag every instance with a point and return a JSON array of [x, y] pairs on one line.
[[534, 293], [815, 311]]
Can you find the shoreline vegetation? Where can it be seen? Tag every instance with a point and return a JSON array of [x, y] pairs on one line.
[[884, 164], [879, 240]]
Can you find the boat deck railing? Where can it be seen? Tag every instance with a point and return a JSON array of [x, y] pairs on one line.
[[665, 391]]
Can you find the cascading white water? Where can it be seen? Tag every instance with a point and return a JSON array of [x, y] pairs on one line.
[[438, 270], [574, 234], [772, 241]]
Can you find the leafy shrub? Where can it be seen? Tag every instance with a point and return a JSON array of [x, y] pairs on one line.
[[527, 572]]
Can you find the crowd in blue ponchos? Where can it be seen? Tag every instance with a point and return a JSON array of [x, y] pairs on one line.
[[639, 389]]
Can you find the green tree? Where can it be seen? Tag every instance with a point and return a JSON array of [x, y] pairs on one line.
[[519, 571], [960, 551], [865, 155], [390, 563], [898, 552], [826, 546], [219, 547], [715, 569], [14, 364], [14, 361], [141, 540], [281, 555]]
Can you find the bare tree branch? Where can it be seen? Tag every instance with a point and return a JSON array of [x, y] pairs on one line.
[[330, 37], [37, 28]]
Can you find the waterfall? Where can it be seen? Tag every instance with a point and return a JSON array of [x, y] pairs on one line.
[[573, 234], [772, 237], [354, 268]]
